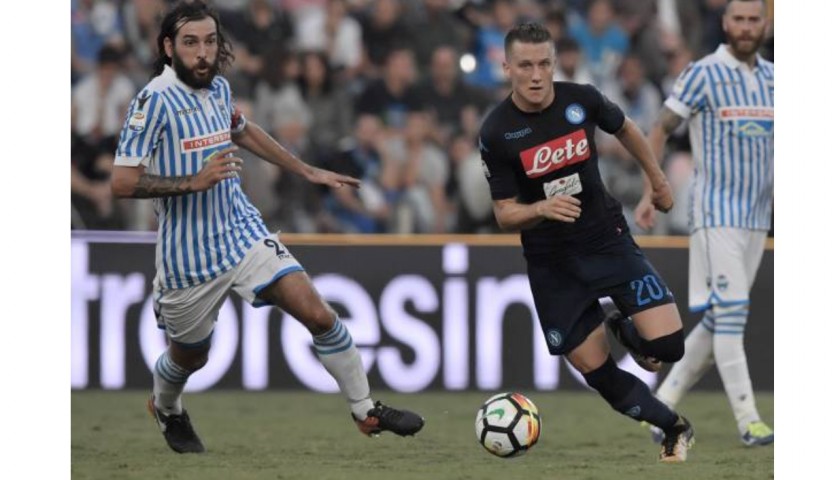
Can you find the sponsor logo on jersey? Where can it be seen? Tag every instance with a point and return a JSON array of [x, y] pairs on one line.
[[575, 114], [745, 113], [187, 111], [518, 134], [137, 122], [563, 186], [195, 144], [748, 121], [555, 154]]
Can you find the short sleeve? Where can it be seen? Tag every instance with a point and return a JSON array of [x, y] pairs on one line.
[[610, 116], [688, 95], [237, 119], [141, 130], [497, 169]]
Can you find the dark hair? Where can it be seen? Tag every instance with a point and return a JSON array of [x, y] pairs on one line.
[[763, 2], [567, 44], [180, 14], [322, 58], [526, 33], [109, 54]]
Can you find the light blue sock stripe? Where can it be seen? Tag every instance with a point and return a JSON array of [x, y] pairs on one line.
[[337, 330], [731, 324], [174, 367], [170, 371], [334, 350], [726, 332], [319, 343], [732, 315], [167, 374]]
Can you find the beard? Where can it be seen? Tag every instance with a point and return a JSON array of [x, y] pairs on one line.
[[745, 46], [191, 77]]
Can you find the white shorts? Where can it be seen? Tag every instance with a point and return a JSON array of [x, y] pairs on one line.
[[189, 314], [722, 265]]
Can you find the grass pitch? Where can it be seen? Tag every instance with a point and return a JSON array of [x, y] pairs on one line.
[[310, 436]]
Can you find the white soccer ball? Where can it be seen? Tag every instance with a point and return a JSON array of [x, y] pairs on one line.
[[508, 424]]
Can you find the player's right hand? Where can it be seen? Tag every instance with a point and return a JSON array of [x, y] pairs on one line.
[[661, 197], [563, 208], [217, 167]]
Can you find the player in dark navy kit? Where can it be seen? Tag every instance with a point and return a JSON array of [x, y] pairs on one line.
[[542, 165]]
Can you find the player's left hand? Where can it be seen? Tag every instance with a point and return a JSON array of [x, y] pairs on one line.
[[645, 214], [332, 179]]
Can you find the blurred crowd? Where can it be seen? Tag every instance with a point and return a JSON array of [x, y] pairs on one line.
[[390, 91]]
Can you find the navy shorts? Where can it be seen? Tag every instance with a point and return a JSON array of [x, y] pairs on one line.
[[566, 290]]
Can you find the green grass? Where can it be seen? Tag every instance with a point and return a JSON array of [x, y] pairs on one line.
[[306, 435]]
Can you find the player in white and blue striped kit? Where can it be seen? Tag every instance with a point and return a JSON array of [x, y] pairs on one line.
[[176, 147], [727, 98]]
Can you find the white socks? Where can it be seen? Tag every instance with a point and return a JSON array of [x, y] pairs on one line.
[[170, 379], [340, 357], [732, 362], [694, 364], [719, 338]]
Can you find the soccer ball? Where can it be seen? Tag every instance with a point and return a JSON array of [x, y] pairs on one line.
[[508, 424]]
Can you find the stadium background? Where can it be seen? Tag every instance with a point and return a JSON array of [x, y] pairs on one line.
[[400, 82], [648, 42]]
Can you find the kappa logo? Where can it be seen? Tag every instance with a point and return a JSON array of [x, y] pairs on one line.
[[187, 111], [722, 282], [141, 102], [518, 134]]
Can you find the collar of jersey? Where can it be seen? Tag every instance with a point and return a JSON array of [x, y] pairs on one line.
[[169, 74], [729, 60]]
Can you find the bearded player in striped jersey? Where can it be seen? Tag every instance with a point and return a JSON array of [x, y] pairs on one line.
[[177, 147], [727, 98]]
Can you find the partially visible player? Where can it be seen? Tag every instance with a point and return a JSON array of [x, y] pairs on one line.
[[542, 166], [177, 147], [727, 97]]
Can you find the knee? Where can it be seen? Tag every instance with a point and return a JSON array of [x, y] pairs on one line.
[[668, 348], [198, 362], [319, 320], [191, 359]]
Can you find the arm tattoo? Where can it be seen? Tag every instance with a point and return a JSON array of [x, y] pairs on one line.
[[669, 120], [150, 186]]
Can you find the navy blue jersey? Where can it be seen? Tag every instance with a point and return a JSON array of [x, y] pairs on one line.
[[535, 155]]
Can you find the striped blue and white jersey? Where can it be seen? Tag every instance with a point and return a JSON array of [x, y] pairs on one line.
[[730, 110], [171, 129]]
